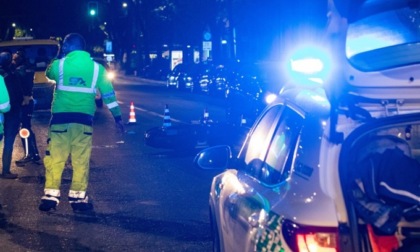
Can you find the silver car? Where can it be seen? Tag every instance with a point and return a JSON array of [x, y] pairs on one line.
[[333, 163]]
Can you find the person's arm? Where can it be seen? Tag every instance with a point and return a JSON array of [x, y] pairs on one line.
[[4, 97], [52, 70], [26, 78], [110, 99]]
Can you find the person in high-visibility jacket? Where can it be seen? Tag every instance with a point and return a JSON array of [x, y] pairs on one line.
[[4, 104], [77, 79]]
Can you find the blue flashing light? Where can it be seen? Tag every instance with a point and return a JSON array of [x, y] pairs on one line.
[[309, 65]]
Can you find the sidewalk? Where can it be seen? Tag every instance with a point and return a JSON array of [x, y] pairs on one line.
[[128, 79]]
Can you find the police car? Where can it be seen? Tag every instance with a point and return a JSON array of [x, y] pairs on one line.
[[333, 163]]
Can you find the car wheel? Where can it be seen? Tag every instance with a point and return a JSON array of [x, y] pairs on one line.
[[214, 233]]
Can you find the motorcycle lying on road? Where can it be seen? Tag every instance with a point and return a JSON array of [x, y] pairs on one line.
[[195, 136]]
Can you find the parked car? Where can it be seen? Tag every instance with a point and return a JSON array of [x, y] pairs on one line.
[[333, 163], [158, 69], [39, 53], [220, 79], [204, 78], [182, 77], [215, 79], [245, 96], [186, 79]]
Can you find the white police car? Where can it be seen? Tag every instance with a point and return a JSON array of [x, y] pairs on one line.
[[333, 163]]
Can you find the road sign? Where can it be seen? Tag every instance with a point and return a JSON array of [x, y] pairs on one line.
[[207, 45]]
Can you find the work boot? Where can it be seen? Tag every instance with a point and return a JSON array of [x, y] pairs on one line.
[[8, 175], [36, 159], [48, 203], [80, 204], [23, 161]]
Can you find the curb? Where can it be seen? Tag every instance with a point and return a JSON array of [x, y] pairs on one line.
[[140, 79]]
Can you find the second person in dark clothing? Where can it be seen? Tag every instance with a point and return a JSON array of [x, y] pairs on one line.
[[26, 78], [11, 118]]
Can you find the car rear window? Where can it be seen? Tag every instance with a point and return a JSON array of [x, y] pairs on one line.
[[38, 56], [385, 40]]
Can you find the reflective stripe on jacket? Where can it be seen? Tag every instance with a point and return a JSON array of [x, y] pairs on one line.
[[4, 102], [77, 78]]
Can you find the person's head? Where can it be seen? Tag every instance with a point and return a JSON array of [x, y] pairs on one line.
[[5, 59], [18, 58], [73, 42]]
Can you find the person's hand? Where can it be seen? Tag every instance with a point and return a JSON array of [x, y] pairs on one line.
[[26, 100], [120, 126]]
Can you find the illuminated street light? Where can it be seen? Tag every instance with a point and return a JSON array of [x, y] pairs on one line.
[[124, 5]]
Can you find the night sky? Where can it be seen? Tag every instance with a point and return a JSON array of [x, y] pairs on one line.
[[58, 17], [261, 25], [46, 17]]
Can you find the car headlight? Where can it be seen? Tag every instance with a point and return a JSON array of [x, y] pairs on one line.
[[110, 75], [269, 98]]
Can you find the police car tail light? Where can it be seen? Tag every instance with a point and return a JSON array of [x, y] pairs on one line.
[[309, 238], [322, 242]]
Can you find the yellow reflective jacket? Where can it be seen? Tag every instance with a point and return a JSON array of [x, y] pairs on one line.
[[4, 102], [77, 79]]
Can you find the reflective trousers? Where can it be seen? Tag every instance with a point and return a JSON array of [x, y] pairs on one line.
[[63, 140]]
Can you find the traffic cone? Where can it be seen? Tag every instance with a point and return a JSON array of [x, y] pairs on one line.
[[132, 118], [205, 118], [166, 117], [243, 120]]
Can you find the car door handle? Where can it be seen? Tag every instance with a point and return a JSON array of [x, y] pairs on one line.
[[221, 185], [257, 218], [233, 198]]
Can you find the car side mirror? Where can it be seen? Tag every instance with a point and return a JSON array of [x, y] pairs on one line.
[[216, 157]]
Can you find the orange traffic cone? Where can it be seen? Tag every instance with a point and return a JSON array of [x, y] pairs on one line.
[[243, 120], [166, 117], [132, 118], [205, 118]]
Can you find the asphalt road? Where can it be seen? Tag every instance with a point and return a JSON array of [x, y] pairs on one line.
[[145, 199]]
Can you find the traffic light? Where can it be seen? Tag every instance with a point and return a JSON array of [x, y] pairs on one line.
[[93, 8]]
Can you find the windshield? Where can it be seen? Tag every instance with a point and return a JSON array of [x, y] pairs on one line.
[[38, 56], [385, 40]]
